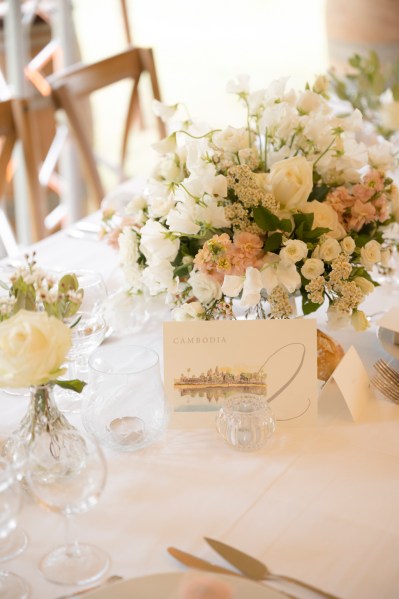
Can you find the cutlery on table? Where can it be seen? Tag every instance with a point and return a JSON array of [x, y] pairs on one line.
[[192, 561], [107, 581], [256, 570], [386, 380]]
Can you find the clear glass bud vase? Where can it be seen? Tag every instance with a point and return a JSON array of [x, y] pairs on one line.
[[42, 420]]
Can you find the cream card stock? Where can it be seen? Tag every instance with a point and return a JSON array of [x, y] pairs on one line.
[[349, 383], [206, 362]]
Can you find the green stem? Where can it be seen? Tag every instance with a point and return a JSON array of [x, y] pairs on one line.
[[266, 141], [325, 151], [198, 136]]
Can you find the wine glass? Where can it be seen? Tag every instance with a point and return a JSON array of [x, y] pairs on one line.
[[87, 334], [12, 540], [68, 478], [95, 291]]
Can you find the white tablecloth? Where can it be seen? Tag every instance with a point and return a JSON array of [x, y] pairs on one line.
[[319, 504]]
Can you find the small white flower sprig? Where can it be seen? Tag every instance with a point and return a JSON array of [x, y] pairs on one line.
[[30, 288]]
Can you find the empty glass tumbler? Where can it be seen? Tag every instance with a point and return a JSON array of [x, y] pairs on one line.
[[125, 406], [245, 421]]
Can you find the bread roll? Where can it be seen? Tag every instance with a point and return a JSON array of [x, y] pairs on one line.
[[329, 354]]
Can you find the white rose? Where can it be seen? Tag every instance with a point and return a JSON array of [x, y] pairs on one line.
[[329, 250], [232, 285], [365, 286], [292, 182], [190, 311], [231, 139], [156, 242], [359, 320], [312, 268], [370, 254], [325, 217], [348, 245], [204, 287], [294, 250], [252, 287], [33, 347]]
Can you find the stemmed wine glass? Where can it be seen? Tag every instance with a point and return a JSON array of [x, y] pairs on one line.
[[88, 331], [12, 540], [68, 477]]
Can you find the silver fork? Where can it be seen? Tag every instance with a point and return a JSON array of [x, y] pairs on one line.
[[386, 371]]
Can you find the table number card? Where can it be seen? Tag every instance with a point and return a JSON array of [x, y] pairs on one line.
[[206, 362], [349, 384]]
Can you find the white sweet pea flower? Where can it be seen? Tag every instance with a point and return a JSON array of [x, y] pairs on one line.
[[294, 250], [329, 250], [252, 287], [231, 139], [232, 285], [169, 169], [280, 272], [381, 155], [204, 287], [158, 277], [276, 90], [128, 246], [182, 219], [370, 254], [157, 243], [312, 268], [164, 111], [239, 85], [212, 215], [166, 145], [189, 311], [160, 206]]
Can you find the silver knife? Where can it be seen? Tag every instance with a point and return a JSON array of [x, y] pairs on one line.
[[255, 569]]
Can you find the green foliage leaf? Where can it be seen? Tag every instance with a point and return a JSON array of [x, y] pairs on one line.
[[308, 307], [268, 221], [319, 193], [73, 385], [273, 242]]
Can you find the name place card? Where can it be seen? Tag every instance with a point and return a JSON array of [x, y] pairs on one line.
[[208, 361]]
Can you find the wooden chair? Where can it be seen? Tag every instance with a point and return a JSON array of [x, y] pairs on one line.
[[77, 83]]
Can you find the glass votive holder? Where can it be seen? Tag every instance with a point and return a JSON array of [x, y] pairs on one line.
[[245, 421], [125, 406]]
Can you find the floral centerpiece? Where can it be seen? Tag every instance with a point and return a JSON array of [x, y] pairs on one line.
[[249, 217]]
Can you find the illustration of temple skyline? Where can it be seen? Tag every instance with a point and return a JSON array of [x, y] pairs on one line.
[[221, 378]]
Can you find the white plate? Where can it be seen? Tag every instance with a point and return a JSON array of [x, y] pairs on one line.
[[385, 337], [165, 586]]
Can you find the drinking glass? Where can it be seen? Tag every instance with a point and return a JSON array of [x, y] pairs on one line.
[[69, 479], [94, 289], [125, 406], [87, 335], [245, 421], [12, 540]]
